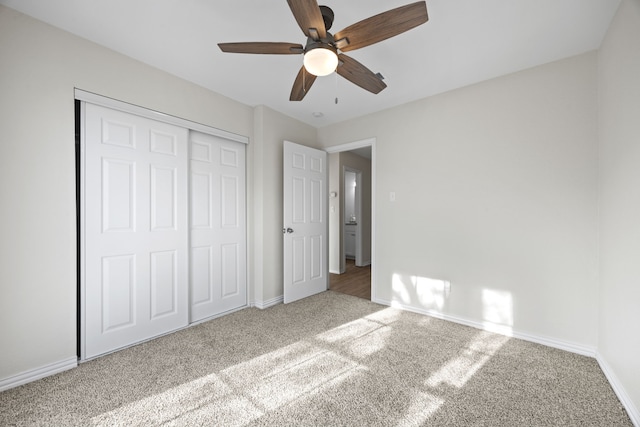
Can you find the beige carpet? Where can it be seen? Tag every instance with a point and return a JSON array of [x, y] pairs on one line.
[[328, 360]]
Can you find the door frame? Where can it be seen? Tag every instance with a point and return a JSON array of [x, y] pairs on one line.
[[369, 142], [357, 202], [114, 104]]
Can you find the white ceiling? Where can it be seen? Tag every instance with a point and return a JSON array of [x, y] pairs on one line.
[[464, 42]]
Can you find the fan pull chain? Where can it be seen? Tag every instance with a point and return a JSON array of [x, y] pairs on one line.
[[336, 73]]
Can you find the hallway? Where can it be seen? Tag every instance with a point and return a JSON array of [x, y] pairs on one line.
[[355, 281]]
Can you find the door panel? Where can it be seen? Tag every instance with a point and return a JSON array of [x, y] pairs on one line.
[[118, 190], [218, 226], [230, 267], [229, 202], [305, 225], [201, 203], [163, 198], [298, 200], [298, 256], [201, 280], [164, 286], [118, 285], [316, 247], [316, 202], [135, 229]]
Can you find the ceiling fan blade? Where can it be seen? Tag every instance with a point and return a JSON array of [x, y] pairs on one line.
[[382, 26], [358, 74], [262, 47], [308, 16], [301, 86]]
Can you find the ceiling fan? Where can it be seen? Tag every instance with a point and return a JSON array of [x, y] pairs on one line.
[[323, 50]]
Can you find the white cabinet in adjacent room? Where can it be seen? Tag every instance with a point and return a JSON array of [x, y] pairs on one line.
[[350, 240]]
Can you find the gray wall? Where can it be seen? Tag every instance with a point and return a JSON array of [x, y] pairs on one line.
[[496, 192], [619, 340]]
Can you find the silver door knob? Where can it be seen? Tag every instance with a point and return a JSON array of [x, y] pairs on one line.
[[287, 230]]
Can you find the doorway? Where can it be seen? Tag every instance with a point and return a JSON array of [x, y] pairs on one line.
[[351, 218]]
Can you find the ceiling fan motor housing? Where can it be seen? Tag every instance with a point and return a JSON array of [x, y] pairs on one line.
[[327, 16], [328, 42]]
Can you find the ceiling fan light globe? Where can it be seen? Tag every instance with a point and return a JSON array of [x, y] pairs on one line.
[[320, 61]]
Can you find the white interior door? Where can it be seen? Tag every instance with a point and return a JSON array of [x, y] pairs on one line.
[[134, 229], [218, 233], [305, 221]]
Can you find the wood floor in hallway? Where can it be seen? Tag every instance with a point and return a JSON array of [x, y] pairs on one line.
[[354, 281]]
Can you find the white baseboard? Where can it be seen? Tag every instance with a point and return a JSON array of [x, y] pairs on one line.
[[268, 303], [619, 390], [499, 329], [38, 373]]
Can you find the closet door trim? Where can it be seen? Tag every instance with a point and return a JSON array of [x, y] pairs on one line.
[[114, 104]]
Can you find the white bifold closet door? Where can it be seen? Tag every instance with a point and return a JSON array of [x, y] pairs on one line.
[[218, 226], [135, 229]]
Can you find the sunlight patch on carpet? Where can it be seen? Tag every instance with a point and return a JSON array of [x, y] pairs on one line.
[[460, 369], [288, 374], [196, 402], [369, 344], [386, 316], [421, 408], [348, 331]]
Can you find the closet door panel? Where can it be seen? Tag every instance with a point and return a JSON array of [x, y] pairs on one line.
[[135, 229], [218, 226]]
